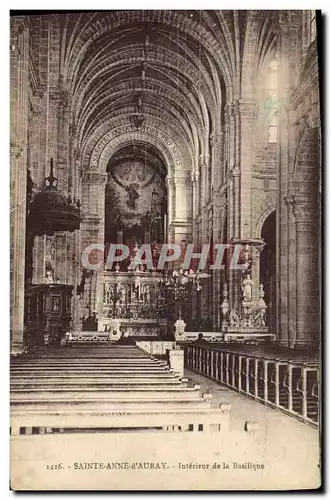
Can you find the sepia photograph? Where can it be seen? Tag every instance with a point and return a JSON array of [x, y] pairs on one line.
[[165, 250]]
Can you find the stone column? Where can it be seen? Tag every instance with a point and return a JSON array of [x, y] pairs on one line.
[[19, 109], [255, 269], [230, 114], [195, 189], [183, 208], [204, 166], [233, 234], [307, 273], [288, 335], [92, 232], [217, 231], [171, 198], [248, 115], [217, 145], [285, 230]]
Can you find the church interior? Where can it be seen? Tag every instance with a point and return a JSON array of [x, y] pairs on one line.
[[186, 130]]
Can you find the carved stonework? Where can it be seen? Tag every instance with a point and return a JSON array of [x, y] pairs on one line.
[[268, 203], [95, 177], [204, 161], [248, 110], [256, 251], [195, 177], [231, 109], [216, 141], [301, 208], [148, 129], [303, 211], [183, 181]]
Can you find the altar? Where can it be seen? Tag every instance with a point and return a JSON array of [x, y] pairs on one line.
[[132, 304]]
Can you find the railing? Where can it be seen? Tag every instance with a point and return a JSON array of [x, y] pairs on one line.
[[292, 386]]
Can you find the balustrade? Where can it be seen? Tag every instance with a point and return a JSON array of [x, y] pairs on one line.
[[292, 386]]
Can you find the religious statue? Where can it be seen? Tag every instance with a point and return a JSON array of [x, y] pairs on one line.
[[133, 195], [259, 317], [247, 286], [49, 278], [136, 261], [233, 318]]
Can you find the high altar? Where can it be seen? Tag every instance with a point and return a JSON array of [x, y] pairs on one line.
[[132, 305]]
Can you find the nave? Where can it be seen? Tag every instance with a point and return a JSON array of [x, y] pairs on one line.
[[113, 404], [104, 389]]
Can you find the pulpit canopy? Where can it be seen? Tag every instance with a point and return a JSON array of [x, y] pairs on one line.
[[50, 210]]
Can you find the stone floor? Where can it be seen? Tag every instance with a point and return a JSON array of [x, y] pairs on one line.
[[282, 454]]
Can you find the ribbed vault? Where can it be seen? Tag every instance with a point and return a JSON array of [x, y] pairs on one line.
[[169, 69], [146, 67]]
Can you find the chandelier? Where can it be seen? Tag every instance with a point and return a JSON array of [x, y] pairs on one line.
[[177, 284]]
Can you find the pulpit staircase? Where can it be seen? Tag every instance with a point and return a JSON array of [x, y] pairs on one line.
[[103, 389]]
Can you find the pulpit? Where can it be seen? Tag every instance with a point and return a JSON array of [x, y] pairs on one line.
[[47, 313]]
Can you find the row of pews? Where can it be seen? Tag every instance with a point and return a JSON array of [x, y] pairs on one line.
[[292, 385], [105, 388]]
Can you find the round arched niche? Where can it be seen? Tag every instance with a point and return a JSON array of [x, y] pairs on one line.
[[178, 173], [136, 195]]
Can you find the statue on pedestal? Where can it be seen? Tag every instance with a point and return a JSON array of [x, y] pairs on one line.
[[136, 261], [247, 287], [233, 318]]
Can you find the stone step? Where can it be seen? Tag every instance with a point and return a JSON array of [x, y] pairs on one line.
[[92, 361], [86, 355], [90, 377], [91, 364], [68, 371], [130, 393], [73, 385], [107, 405], [99, 418], [71, 353]]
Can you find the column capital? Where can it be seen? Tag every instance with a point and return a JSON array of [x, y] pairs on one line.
[[303, 210], [247, 109], [195, 177], [231, 109], [183, 181], [204, 160]]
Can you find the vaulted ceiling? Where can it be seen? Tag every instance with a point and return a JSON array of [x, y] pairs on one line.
[[177, 68]]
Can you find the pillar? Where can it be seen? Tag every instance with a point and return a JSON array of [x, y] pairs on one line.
[[19, 91], [255, 269], [307, 273], [182, 223], [92, 232], [217, 145]]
